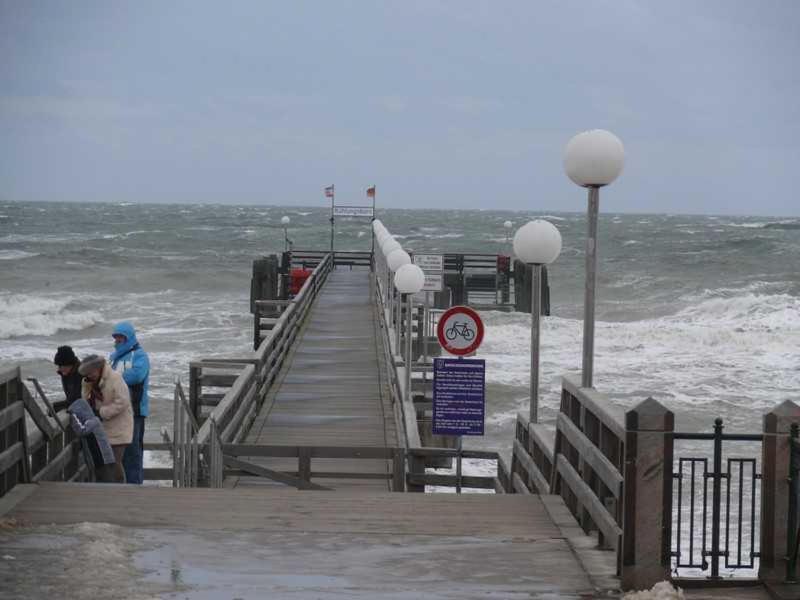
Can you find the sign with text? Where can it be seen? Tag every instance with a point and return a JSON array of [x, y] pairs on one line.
[[459, 396], [353, 211], [434, 282], [429, 262]]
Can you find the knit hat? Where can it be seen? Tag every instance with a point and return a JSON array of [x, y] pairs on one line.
[[90, 363], [65, 356]]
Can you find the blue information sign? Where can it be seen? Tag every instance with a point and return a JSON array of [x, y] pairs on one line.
[[459, 398]]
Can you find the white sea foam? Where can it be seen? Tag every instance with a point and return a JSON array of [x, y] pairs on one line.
[[738, 349], [38, 315], [16, 254]]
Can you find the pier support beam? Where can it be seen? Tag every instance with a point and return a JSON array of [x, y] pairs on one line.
[[648, 495], [776, 452]]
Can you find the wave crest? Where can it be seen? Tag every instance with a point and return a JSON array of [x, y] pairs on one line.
[[22, 315]]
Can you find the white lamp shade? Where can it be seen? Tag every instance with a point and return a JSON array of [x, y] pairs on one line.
[[381, 237], [537, 242], [285, 220], [508, 224], [594, 158], [409, 279], [376, 224], [390, 245], [397, 258]]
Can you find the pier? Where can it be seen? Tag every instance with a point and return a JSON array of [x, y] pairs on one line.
[[299, 469]]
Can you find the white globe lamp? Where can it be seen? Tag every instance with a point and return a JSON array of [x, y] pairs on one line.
[[397, 258], [409, 279], [390, 245], [537, 243], [285, 221], [594, 158]]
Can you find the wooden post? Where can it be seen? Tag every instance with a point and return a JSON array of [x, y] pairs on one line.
[[399, 470], [264, 283], [304, 465], [776, 452], [522, 287], [194, 392], [648, 495]]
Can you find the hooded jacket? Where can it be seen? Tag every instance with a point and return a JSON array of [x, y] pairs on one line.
[[115, 409], [133, 364]]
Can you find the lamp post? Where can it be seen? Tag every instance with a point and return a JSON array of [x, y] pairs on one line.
[[408, 279], [507, 225], [536, 243], [396, 259], [287, 243], [592, 159]]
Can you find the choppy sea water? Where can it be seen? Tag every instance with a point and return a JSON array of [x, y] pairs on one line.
[[700, 312]]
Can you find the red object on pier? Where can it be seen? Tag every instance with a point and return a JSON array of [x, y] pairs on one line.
[[503, 263], [297, 277]]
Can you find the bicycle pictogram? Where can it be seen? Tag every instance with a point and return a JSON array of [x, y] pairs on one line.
[[459, 330]]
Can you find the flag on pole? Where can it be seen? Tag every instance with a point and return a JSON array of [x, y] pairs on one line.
[[371, 192], [329, 191]]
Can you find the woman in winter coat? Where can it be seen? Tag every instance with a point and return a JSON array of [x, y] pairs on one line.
[[107, 394]]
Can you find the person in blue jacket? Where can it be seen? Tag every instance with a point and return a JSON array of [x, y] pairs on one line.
[[132, 362]]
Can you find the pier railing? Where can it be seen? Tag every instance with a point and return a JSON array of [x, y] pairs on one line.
[[49, 452]]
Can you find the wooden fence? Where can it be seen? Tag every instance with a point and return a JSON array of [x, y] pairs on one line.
[[49, 452]]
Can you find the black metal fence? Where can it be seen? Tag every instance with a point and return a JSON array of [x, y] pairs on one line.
[[717, 527]]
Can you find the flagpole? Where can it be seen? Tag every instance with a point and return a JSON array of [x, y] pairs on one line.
[[333, 201]]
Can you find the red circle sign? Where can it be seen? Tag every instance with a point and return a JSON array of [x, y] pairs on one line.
[[460, 330]]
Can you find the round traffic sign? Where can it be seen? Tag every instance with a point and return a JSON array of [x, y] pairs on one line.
[[460, 330]]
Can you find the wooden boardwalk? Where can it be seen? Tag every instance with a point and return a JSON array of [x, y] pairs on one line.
[[333, 390], [249, 543]]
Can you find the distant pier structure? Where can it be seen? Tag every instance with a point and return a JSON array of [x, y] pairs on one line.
[[300, 465]]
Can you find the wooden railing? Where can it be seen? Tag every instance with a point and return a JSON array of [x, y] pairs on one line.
[[51, 452], [312, 258], [582, 461]]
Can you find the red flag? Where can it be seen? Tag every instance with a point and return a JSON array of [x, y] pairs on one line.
[[329, 191], [371, 192]]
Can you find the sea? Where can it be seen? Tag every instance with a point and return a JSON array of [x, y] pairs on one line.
[[700, 312]]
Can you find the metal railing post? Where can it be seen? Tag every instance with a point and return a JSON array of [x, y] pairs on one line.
[[716, 499], [793, 534]]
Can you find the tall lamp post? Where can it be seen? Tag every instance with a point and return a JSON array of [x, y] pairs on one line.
[[592, 159], [536, 243], [396, 259], [408, 279], [388, 246], [507, 225], [287, 243]]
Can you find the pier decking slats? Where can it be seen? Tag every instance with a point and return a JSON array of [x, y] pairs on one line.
[[331, 393]]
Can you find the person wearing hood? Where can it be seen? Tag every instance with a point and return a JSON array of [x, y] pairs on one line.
[[67, 367], [108, 397], [132, 362]]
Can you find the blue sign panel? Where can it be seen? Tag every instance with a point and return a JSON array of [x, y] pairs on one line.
[[459, 398]]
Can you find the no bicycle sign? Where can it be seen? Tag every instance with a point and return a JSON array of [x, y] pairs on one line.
[[460, 330]]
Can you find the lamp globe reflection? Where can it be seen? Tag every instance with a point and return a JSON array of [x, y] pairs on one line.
[[409, 279], [397, 258], [594, 158], [537, 242]]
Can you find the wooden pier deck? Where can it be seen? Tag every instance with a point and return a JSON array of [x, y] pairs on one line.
[[283, 543], [333, 390]]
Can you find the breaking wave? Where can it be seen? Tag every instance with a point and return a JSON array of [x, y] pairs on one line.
[[22, 315]]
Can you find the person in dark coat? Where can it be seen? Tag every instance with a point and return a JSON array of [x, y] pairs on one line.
[[67, 367]]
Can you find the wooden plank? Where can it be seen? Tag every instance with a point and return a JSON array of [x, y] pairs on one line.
[[599, 405], [10, 415], [526, 462], [38, 416], [468, 481], [313, 451], [543, 438], [591, 455], [58, 463], [11, 456], [260, 471], [429, 452], [519, 485], [602, 518]]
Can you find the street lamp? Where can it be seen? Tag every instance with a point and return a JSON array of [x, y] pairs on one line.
[[408, 279], [394, 260], [287, 243], [507, 225], [592, 159], [536, 243]]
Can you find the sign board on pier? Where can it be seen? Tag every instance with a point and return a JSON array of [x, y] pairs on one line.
[[434, 282], [459, 398], [353, 211], [429, 262]]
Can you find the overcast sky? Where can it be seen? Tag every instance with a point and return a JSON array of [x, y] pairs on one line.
[[440, 104]]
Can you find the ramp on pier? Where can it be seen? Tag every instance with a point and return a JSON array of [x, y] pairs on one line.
[[150, 542], [333, 391]]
